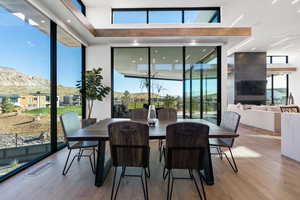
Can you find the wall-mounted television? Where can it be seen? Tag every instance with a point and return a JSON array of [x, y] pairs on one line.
[[251, 87]]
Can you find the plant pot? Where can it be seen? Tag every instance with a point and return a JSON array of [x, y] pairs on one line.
[[88, 122]]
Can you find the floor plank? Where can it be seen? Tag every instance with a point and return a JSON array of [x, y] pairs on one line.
[[263, 174]]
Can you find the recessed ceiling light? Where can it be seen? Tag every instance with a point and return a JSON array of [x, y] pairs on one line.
[[253, 49], [295, 1], [155, 51], [274, 1], [135, 43], [141, 59], [43, 21], [164, 58], [153, 60], [133, 61], [69, 21], [298, 11], [193, 42], [176, 61]]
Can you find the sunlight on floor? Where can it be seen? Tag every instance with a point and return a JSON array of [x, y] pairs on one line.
[[266, 136], [243, 152]]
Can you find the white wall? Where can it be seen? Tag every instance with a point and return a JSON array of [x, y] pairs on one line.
[[99, 56]]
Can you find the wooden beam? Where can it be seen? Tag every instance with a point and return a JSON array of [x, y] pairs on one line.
[[173, 32], [77, 13], [282, 69]]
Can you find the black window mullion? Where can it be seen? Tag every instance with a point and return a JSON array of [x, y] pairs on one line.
[[83, 68], [182, 16], [53, 85], [149, 76], [183, 78], [287, 89], [147, 22], [272, 89]]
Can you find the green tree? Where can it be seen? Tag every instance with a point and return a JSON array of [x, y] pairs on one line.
[[93, 88], [126, 97], [7, 107], [169, 101]]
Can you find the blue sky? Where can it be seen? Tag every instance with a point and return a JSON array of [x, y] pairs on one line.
[[27, 50]]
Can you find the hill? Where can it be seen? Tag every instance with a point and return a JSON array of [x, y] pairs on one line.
[[14, 82]]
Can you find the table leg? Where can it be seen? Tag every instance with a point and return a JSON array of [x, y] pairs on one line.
[[103, 165], [208, 169]]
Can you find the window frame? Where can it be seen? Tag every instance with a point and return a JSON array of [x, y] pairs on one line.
[[53, 97], [182, 9], [271, 59]]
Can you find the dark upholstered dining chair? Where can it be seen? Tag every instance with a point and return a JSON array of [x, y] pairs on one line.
[[165, 114], [129, 146], [70, 124], [138, 114], [230, 121], [185, 148]]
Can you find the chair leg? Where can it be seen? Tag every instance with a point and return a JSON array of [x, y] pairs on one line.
[[196, 185], [113, 186], [160, 150], [147, 172], [80, 154], [92, 165], [169, 177], [165, 174], [146, 182], [118, 186], [233, 166], [64, 170], [202, 185], [144, 185], [172, 184], [220, 152], [94, 156]]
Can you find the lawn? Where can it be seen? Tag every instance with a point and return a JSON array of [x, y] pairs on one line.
[[60, 110]]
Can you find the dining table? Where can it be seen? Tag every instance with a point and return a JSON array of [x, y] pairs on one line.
[[99, 132]]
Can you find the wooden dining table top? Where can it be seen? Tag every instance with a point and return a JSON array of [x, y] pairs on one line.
[[99, 131]]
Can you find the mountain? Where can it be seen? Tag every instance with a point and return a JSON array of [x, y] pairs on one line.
[[14, 82]]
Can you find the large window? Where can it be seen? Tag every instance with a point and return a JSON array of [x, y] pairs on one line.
[[277, 84], [69, 70], [183, 78], [166, 16], [277, 89], [28, 128], [277, 59]]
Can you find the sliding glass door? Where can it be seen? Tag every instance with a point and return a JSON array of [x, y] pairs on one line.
[[130, 80], [184, 78], [166, 78]]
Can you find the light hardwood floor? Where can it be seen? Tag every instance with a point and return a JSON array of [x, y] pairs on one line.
[[263, 175]]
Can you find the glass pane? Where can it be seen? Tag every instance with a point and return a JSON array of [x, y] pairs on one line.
[[210, 89], [68, 73], [166, 78], [24, 85], [201, 78], [131, 81], [129, 17], [269, 90], [201, 16], [280, 89], [165, 17], [279, 60]]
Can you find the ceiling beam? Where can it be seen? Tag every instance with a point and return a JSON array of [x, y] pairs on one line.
[[174, 32]]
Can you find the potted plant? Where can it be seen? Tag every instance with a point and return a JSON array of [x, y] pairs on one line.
[[92, 90]]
